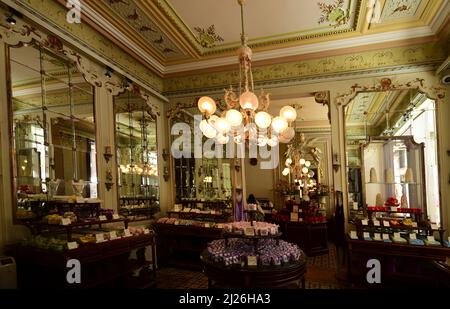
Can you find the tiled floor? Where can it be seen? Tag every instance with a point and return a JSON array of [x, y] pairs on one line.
[[320, 274]]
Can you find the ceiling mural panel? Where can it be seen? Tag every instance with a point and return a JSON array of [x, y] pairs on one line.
[[396, 9]]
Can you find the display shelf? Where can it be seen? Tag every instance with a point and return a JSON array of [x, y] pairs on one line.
[[234, 235]]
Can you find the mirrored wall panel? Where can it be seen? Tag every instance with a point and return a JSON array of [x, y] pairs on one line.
[[53, 129], [136, 148]]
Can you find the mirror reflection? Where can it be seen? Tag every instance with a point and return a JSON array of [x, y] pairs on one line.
[[53, 129], [136, 156], [392, 152]]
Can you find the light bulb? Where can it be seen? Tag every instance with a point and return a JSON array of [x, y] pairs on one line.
[[307, 163], [210, 132], [202, 125], [263, 120], [212, 119], [248, 100], [206, 127], [288, 134], [222, 125], [302, 161], [288, 161], [279, 124], [206, 105], [273, 141], [234, 117], [305, 170], [286, 171], [289, 113], [311, 174]]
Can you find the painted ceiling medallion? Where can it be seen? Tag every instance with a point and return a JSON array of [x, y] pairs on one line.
[[208, 38], [334, 14]]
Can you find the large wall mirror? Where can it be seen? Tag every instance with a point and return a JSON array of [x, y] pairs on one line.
[[392, 157], [136, 148], [199, 182], [53, 129]]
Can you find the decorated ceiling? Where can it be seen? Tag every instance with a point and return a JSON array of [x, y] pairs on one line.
[[184, 35]]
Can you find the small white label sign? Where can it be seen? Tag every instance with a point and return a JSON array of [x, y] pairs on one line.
[[430, 238], [99, 237], [377, 236], [353, 235], [364, 222], [146, 231], [366, 235], [376, 223], [385, 236], [397, 235], [127, 233], [116, 216], [112, 235], [434, 227], [412, 236], [102, 218], [206, 224], [72, 245], [386, 223], [65, 221], [252, 260], [414, 224]]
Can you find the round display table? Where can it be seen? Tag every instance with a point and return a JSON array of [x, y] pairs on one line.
[[290, 275]]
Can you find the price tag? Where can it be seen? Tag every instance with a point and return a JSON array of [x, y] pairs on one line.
[[430, 238], [112, 235], [146, 231], [116, 216], [397, 235], [294, 216], [377, 236], [252, 260], [72, 245], [376, 223], [412, 236], [366, 235], [393, 208], [364, 222], [249, 231], [386, 223], [353, 235], [127, 232], [385, 236], [206, 224], [65, 221], [414, 224], [102, 218], [99, 237]]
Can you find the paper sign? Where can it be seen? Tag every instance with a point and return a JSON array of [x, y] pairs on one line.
[[430, 238], [213, 212], [127, 233], [206, 224], [102, 218], [386, 223], [65, 221], [353, 235], [112, 235], [294, 216], [366, 235], [414, 224], [72, 245], [249, 231], [385, 236], [252, 260], [116, 216], [99, 237], [397, 235], [377, 236], [393, 208], [220, 226], [412, 236], [376, 223], [364, 222], [146, 231]]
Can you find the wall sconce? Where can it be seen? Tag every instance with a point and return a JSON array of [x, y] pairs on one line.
[[336, 163], [165, 154], [108, 153], [166, 173], [109, 180]]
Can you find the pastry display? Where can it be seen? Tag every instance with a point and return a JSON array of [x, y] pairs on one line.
[[409, 177], [379, 200], [373, 175], [259, 228], [389, 176]]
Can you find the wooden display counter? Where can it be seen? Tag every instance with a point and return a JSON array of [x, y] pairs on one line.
[[312, 238], [107, 264], [181, 246], [291, 275], [401, 264]]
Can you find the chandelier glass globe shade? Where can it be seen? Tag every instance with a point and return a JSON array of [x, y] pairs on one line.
[[262, 141], [209, 131], [202, 125], [302, 161], [305, 170], [288, 161], [288, 134], [222, 139], [222, 125], [234, 117], [212, 119], [289, 113], [279, 124], [263, 120], [286, 171], [248, 100], [273, 141], [206, 105], [307, 163]]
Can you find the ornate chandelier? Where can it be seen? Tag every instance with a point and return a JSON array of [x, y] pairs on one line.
[[246, 117]]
